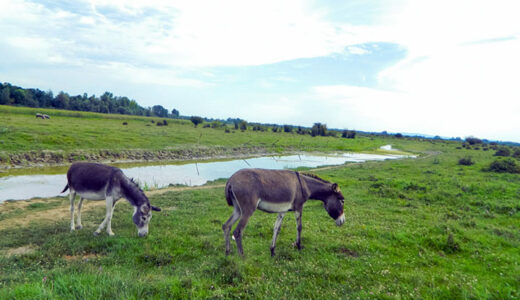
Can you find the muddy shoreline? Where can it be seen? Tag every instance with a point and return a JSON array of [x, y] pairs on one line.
[[47, 158]]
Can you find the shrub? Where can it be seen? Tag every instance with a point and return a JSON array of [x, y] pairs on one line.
[[125, 123], [207, 125], [516, 154], [466, 161], [398, 135], [504, 165], [473, 140], [165, 123], [319, 129], [196, 120], [503, 151], [287, 128], [348, 134]]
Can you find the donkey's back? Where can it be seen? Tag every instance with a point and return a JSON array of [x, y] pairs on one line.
[[267, 185], [90, 177]]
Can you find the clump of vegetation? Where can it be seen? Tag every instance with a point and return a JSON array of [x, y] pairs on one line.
[[348, 134], [163, 123], [125, 123], [398, 135], [504, 165], [287, 128], [503, 151], [319, 129], [466, 161], [516, 154], [196, 120], [473, 140]]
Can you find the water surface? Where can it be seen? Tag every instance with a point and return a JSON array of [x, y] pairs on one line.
[[191, 174]]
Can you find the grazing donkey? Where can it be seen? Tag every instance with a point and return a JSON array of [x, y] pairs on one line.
[[97, 182], [277, 191]]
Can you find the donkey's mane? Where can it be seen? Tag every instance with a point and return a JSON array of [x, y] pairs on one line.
[[134, 187], [315, 177]]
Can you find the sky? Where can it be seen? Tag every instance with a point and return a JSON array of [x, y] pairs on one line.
[[448, 68]]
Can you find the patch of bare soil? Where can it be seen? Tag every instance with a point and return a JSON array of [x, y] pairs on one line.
[[85, 257], [63, 212], [348, 252], [27, 249]]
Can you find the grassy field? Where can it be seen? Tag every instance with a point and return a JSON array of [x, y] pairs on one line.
[[69, 131], [415, 228]]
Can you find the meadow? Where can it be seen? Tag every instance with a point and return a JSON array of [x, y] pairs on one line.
[[415, 228], [72, 131]]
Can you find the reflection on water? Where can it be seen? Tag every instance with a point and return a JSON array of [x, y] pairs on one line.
[[191, 174]]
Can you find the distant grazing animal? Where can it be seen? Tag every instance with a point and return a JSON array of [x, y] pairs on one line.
[[38, 115], [46, 117], [277, 191], [97, 182]]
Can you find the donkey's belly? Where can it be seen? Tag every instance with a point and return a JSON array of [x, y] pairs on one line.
[[92, 195], [273, 207]]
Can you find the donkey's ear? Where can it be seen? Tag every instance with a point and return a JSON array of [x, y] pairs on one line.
[[156, 208], [335, 187]]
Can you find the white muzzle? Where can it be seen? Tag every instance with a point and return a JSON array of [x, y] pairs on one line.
[[340, 220]]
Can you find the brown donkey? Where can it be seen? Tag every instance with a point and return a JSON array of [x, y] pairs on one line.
[[277, 191]]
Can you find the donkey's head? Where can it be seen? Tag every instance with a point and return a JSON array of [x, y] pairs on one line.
[[142, 217], [333, 203]]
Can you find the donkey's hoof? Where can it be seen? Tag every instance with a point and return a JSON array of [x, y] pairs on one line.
[[96, 233], [272, 252], [72, 229], [298, 246], [79, 227], [110, 234]]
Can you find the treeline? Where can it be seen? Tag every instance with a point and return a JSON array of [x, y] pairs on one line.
[[107, 103]]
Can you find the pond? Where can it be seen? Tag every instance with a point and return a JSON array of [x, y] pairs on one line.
[[24, 187]]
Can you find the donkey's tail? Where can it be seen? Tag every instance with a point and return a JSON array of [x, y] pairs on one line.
[[66, 188], [229, 194]]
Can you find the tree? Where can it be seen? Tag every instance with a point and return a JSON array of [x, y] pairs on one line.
[[175, 113], [62, 101], [319, 129], [348, 134], [160, 111], [243, 125], [5, 96], [196, 120]]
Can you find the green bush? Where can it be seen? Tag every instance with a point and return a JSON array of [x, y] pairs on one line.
[[466, 161], [503, 151], [504, 165], [516, 154]]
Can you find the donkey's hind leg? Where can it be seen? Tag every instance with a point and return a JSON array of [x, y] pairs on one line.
[[226, 227], [239, 230], [72, 196], [78, 220]]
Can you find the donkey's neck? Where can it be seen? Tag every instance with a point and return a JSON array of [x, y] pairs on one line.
[[318, 189], [132, 192]]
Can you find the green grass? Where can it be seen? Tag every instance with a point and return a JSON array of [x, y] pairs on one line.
[[415, 228], [70, 131]]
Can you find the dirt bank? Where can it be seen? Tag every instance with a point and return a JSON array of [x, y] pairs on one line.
[[57, 158]]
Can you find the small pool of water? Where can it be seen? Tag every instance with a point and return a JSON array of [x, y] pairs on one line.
[[24, 187]]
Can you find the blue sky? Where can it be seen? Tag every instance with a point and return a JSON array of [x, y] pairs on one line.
[[445, 68]]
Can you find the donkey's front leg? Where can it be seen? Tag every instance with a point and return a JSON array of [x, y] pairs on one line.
[[276, 231], [298, 243], [108, 217]]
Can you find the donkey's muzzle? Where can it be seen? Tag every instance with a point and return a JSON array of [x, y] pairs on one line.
[[340, 220]]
